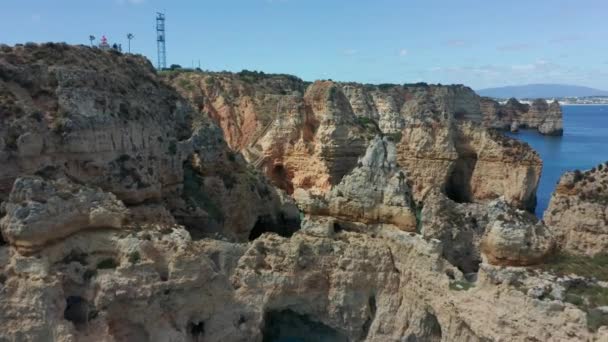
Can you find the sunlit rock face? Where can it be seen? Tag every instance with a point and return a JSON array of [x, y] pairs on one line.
[[106, 120], [578, 211], [179, 239], [546, 118], [308, 136]]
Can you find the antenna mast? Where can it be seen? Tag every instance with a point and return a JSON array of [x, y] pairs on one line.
[[160, 41]]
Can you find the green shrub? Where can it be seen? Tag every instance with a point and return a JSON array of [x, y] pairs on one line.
[[589, 267], [596, 318]]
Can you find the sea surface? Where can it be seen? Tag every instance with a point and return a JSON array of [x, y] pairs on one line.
[[583, 146]]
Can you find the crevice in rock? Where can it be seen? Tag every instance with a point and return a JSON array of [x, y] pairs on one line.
[[287, 325], [280, 177], [458, 186], [266, 224], [371, 304], [196, 331]]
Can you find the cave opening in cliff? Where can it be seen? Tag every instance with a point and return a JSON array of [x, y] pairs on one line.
[[76, 311], [458, 186], [287, 325], [266, 224], [196, 330]]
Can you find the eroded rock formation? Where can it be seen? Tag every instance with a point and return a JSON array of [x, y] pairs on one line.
[[131, 235], [578, 211], [105, 120], [376, 192], [309, 136], [547, 118]]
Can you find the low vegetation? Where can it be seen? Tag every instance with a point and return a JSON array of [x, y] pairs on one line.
[[588, 297], [584, 266]]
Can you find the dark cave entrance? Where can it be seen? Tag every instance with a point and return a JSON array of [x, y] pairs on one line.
[[266, 224], [76, 311], [289, 326], [280, 177], [197, 331], [458, 186]]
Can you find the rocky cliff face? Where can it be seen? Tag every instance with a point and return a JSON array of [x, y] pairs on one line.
[[468, 163], [311, 140], [218, 254], [104, 119], [578, 211], [547, 118]]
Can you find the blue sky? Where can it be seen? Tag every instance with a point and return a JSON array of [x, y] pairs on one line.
[[480, 43]]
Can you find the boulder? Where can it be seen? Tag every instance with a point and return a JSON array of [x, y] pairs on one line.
[[39, 212], [578, 211]]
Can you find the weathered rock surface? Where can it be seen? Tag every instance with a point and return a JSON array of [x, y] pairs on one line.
[[311, 141], [192, 253], [376, 192], [515, 238], [547, 118], [301, 136], [578, 211], [39, 212], [104, 119], [468, 163]]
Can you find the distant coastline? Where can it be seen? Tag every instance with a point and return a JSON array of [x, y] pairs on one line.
[[566, 101]]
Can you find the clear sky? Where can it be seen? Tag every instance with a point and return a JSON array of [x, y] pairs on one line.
[[480, 43]]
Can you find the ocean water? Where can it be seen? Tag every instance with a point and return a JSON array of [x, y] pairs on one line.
[[583, 146]]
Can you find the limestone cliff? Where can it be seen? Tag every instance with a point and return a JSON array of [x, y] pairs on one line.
[[310, 136], [143, 225], [468, 163], [547, 118], [578, 211], [105, 119]]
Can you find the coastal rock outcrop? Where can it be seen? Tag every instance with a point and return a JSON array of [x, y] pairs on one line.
[[309, 136], [376, 192], [515, 238], [39, 212], [469, 163], [578, 211], [176, 238], [547, 118], [301, 135], [105, 119]]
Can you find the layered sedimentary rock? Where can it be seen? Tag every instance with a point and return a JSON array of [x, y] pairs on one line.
[[578, 211], [376, 192], [105, 119], [301, 136], [214, 255], [39, 212], [547, 118], [468, 163], [310, 141]]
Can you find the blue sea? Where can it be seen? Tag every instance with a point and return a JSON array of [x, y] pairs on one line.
[[583, 146]]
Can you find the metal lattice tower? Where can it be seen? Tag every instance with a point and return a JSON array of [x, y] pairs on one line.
[[161, 40]]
